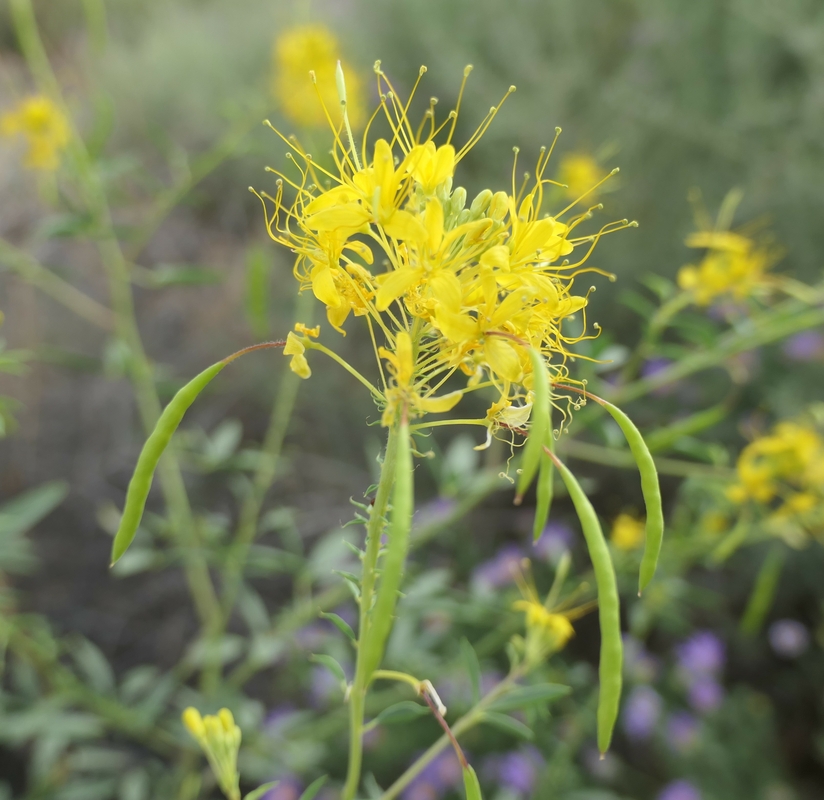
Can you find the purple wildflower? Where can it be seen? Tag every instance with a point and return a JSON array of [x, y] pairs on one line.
[[705, 694], [640, 665], [679, 790], [498, 571], [518, 770], [554, 541], [323, 687], [702, 654], [312, 636], [682, 731], [788, 638], [653, 367], [805, 346], [441, 774], [289, 788], [641, 712]]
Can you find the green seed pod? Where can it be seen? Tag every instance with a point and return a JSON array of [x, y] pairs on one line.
[[651, 490], [472, 787], [394, 560], [540, 426], [157, 442], [611, 661]]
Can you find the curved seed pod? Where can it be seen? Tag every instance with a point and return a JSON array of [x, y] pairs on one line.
[[157, 442], [609, 616], [650, 488], [394, 561], [546, 475], [540, 427], [472, 787]]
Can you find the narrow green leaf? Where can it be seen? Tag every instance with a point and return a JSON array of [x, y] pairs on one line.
[[313, 788], [763, 592], [528, 696], [256, 794], [473, 668], [546, 476], [341, 624], [472, 786], [539, 425], [23, 512], [508, 724], [257, 291], [331, 664], [405, 711]]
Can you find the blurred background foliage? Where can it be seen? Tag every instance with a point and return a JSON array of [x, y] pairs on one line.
[[707, 94]]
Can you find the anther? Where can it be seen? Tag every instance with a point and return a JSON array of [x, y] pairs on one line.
[[377, 67], [633, 224], [557, 131], [313, 76], [615, 171], [422, 70], [467, 69], [512, 88]]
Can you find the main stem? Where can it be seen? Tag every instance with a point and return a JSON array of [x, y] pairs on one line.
[[357, 695]]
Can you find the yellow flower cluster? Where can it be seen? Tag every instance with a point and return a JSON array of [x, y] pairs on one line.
[[44, 127], [627, 532], [314, 49], [579, 172], [219, 737], [734, 264], [449, 287], [784, 472]]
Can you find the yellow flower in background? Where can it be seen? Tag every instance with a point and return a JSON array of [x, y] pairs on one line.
[[627, 532], [313, 48], [44, 128], [296, 348], [734, 265], [447, 287], [219, 738], [579, 172], [783, 473]]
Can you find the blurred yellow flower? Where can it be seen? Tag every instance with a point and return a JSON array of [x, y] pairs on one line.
[[313, 48], [219, 738], [783, 473], [44, 128], [734, 264], [579, 172], [627, 532]]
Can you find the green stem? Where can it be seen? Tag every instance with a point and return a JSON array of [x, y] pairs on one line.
[[468, 721], [174, 490], [357, 695]]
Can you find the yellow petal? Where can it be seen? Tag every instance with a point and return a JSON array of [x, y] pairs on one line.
[[351, 216], [405, 226], [456, 327], [193, 722], [502, 358], [396, 284], [323, 285], [294, 346], [337, 316], [439, 405], [434, 224], [403, 352], [300, 366], [496, 257], [446, 288], [340, 195]]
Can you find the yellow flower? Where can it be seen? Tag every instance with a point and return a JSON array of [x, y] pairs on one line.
[[295, 348], [782, 474], [579, 172], [44, 127], [313, 48], [627, 532], [219, 738], [447, 288], [734, 264]]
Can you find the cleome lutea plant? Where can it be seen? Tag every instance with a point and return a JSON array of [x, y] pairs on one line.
[[457, 299]]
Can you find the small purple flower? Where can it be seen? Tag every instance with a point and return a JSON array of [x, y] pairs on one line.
[[805, 346], [705, 694], [788, 638], [519, 770], [679, 790], [323, 687], [498, 571], [312, 636], [641, 712], [289, 788], [279, 718], [441, 774], [702, 654], [682, 731], [554, 541], [653, 367], [434, 511]]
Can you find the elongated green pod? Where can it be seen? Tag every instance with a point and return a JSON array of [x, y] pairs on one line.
[[546, 475], [650, 488], [763, 593], [147, 462], [540, 426], [157, 442], [394, 560], [472, 786], [609, 614]]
